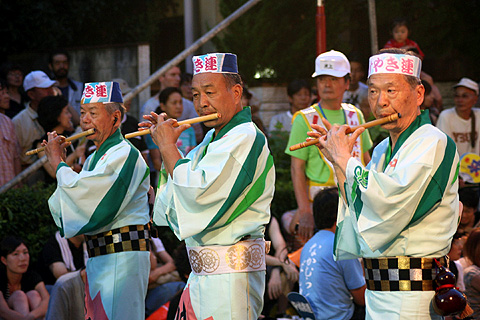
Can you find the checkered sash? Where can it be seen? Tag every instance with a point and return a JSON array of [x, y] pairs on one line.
[[128, 238], [401, 273]]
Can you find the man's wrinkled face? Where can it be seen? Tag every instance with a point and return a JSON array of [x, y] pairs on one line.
[[211, 94], [391, 93], [94, 115]]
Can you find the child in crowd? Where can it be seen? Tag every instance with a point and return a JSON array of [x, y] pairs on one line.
[[400, 37]]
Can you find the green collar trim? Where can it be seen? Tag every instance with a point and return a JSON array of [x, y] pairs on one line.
[[243, 116], [419, 121], [111, 141]]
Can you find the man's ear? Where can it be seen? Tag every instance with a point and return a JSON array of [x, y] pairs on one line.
[[4, 261], [50, 67], [237, 93], [30, 94], [420, 92]]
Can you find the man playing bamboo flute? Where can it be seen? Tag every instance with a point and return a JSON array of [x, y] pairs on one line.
[[218, 197], [106, 201], [402, 209]]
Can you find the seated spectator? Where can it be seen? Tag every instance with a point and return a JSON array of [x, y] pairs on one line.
[[180, 257], [60, 256], [14, 75], [462, 123], [333, 288], [455, 254], [470, 216], [9, 147], [67, 299], [171, 103], [299, 94], [23, 293], [54, 115], [294, 241], [163, 282], [282, 274], [471, 275]]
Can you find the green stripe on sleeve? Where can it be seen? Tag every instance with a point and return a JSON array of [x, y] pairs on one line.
[[254, 193], [107, 208], [244, 178], [436, 187]]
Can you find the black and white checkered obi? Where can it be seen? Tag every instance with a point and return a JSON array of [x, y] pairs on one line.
[[401, 273], [128, 238]]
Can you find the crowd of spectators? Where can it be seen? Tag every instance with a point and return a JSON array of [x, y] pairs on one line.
[[33, 104]]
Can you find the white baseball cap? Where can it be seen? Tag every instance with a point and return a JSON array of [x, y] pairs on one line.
[[37, 79], [331, 63], [468, 83]]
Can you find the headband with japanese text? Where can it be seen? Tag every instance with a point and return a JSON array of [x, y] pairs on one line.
[[215, 62], [395, 63], [103, 92]]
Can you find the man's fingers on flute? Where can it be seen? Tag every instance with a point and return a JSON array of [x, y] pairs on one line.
[[319, 129], [327, 124], [357, 133]]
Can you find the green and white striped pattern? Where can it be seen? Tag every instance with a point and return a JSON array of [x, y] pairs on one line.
[[405, 203], [222, 190], [110, 191]]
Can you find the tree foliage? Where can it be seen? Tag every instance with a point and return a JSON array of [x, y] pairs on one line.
[[39, 26], [280, 35]]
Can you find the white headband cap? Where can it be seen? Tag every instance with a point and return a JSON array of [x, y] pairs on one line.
[[395, 63]]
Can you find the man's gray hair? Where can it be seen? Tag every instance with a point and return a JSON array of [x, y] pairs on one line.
[[232, 79], [111, 107]]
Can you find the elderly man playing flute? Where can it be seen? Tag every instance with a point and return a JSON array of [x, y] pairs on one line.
[[106, 201], [218, 196], [401, 210]]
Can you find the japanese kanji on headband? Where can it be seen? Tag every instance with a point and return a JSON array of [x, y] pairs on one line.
[[395, 63], [215, 62], [103, 92]]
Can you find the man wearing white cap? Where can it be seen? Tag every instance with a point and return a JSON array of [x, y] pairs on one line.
[[107, 202], [311, 172], [401, 210], [462, 123], [37, 85], [218, 197]]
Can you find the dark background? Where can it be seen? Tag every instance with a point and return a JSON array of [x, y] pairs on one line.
[[277, 35]]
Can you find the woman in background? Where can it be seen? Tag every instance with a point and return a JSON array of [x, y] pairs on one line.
[[23, 293]]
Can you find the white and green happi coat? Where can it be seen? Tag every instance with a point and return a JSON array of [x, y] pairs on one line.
[[110, 192], [404, 203], [220, 193]]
